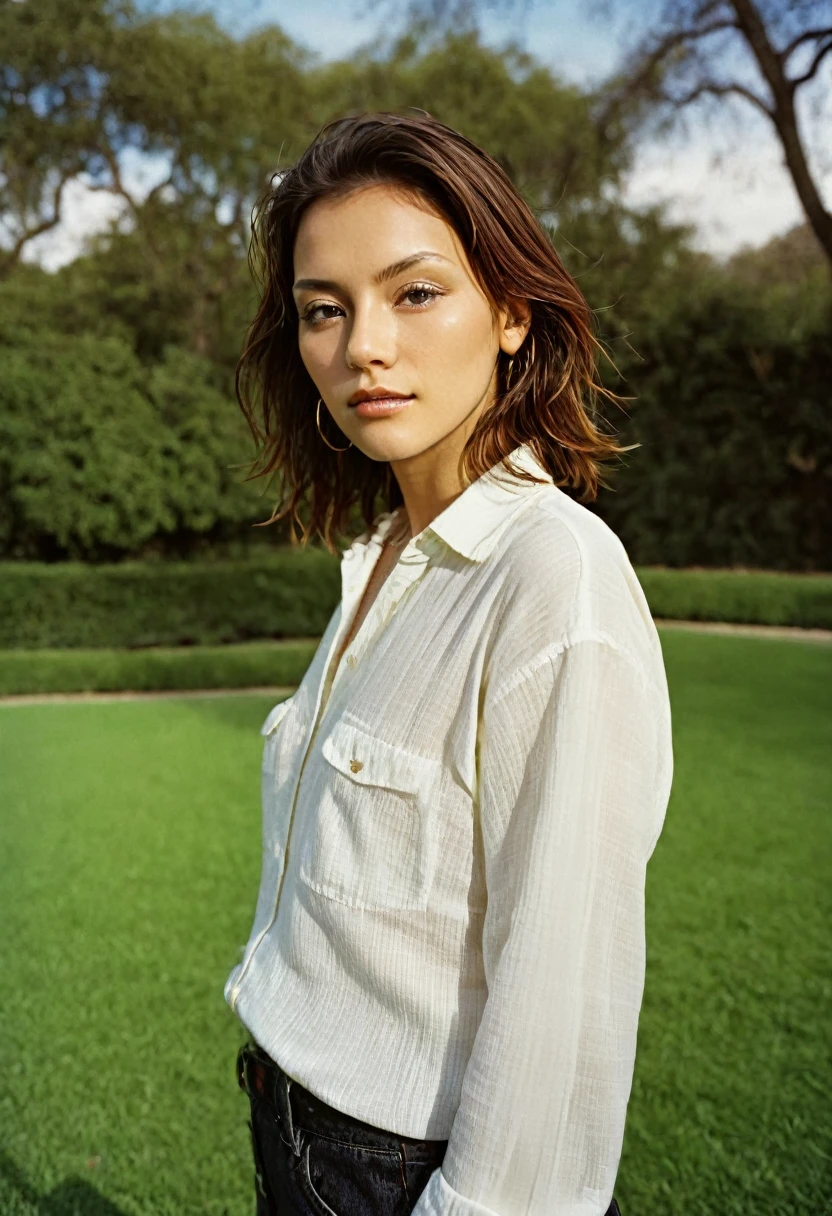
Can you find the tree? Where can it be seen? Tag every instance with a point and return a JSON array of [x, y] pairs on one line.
[[102, 457], [731, 414], [792, 256], [538, 127], [89, 83], [84, 82], [692, 55]]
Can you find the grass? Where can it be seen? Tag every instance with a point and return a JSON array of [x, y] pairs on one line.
[[129, 861]]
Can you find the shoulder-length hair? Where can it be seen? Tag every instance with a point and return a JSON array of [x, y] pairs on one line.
[[548, 399]]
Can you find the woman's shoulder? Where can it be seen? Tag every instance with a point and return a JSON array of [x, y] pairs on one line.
[[560, 543], [560, 528], [567, 576]]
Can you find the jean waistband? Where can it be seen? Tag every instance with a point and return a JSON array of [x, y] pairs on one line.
[[261, 1076]]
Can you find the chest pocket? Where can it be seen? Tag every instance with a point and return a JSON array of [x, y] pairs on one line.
[[370, 843], [278, 731]]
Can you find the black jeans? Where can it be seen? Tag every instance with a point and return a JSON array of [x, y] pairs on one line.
[[313, 1160]]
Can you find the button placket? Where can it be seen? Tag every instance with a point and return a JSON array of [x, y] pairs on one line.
[[409, 568]]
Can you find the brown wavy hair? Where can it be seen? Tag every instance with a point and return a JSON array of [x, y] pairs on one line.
[[551, 398]]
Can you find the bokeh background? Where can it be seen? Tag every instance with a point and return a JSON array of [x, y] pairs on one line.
[[679, 155]]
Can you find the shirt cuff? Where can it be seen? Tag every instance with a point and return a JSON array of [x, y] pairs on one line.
[[440, 1199]]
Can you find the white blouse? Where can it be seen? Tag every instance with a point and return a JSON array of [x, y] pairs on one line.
[[449, 937]]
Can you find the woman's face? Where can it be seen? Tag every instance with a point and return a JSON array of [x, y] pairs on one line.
[[368, 320]]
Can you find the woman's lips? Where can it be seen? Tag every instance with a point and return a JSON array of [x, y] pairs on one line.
[[379, 406]]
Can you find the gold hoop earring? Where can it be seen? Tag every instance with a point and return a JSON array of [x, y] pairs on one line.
[[323, 436]]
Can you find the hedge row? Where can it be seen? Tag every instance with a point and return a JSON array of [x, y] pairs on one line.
[[289, 593], [741, 597], [292, 593], [247, 665], [278, 665]]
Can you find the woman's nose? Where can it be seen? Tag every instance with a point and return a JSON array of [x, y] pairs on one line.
[[371, 338]]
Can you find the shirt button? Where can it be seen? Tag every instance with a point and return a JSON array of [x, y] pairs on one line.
[[351, 660], [356, 765]]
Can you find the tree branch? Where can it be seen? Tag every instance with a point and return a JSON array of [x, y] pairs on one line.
[[719, 90], [654, 72], [677, 38], [11, 256], [806, 36], [821, 52], [118, 186], [158, 188], [752, 27]]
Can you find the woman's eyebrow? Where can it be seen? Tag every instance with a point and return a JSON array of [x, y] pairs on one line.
[[389, 272]]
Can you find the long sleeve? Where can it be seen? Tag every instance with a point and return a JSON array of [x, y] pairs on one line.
[[574, 773]]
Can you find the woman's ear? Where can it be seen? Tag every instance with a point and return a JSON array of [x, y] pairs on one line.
[[515, 320]]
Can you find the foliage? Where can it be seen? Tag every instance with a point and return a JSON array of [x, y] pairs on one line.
[[750, 597], [155, 668], [84, 81], [153, 315], [217, 116], [540, 129], [782, 261], [291, 593], [101, 456], [731, 410]]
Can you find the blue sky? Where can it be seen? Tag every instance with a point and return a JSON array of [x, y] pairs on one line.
[[725, 176], [558, 32]]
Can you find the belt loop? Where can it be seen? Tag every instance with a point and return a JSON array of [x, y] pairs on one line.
[[402, 1165], [282, 1101], [243, 1074]]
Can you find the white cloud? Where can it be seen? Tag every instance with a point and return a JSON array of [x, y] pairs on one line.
[[86, 212], [727, 178], [745, 200]]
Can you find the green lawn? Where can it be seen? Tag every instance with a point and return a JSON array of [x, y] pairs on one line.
[[129, 861]]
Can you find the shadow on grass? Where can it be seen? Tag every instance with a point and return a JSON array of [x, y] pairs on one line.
[[72, 1197]]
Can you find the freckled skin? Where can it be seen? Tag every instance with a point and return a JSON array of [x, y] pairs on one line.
[[442, 347]]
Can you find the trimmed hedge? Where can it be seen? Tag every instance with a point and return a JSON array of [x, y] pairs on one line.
[[247, 665], [279, 665], [292, 593], [752, 597]]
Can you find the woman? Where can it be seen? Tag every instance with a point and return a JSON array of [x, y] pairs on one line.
[[444, 975]]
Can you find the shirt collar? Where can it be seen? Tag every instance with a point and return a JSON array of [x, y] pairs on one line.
[[474, 522]]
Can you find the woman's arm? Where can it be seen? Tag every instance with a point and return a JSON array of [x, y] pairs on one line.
[[575, 766]]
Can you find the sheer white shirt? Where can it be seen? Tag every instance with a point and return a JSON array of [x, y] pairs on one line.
[[449, 937]]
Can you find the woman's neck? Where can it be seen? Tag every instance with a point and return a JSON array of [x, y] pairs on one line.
[[399, 533]]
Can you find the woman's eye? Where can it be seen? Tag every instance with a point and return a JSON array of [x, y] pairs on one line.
[[421, 291], [312, 315]]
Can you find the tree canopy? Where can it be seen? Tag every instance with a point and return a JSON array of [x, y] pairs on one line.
[[119, 432]]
